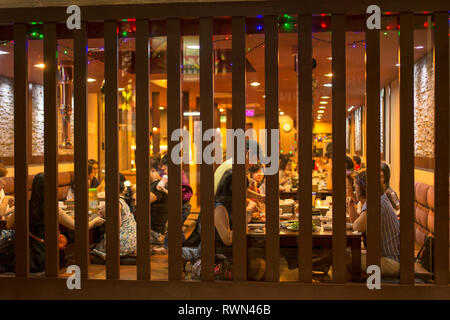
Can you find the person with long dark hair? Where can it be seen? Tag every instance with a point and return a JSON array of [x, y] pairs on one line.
[[390, 228], [385, 176]]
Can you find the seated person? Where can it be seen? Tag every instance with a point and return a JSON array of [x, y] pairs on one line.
[[6, 202], [385, 176], [37, 230], [127, 230], [224, 231], [390, 228], [256, 179], [285, 172], [92, 176]]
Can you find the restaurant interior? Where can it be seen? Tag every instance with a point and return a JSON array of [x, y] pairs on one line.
[[356, 123]]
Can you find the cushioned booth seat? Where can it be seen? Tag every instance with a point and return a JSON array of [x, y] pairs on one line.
[[424, 213]]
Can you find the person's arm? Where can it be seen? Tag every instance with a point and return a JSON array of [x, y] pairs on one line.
[[360, 224], [351, 209], [66, 220], [10, 223], [4, 206], [254, 195], [222, 223]]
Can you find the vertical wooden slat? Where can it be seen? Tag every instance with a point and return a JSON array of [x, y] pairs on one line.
[[81, 150], [21, 153], [407, 148], [207, 170], [111, 152], [305, 126], [50, 150], [174, 109], [338, 118], [373, 152], [272, 182], [155, 122], [238, 109], [142, 150], [442, 106]]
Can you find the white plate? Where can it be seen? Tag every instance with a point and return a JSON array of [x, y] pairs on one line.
[[256, 225]]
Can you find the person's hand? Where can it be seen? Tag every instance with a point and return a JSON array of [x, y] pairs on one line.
[[101, 211], [251, 206], [350, 201], [97, 221]]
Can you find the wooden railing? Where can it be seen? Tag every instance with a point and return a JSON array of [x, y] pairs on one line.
[[50, 287]]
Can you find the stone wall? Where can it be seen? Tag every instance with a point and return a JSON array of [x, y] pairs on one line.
[[36, 95], [424, 107]]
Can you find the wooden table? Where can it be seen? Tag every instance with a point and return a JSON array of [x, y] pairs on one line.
[[322, 239]]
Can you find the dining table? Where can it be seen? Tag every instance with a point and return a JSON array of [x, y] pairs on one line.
[[321, 239]]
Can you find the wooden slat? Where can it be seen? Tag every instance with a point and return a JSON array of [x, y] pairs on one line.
[[238, 109], [174, 109], [21, 154], [442, 106], [50, 150], [81, 150], [305, 125], [373, 152], [207, 170], [142, 150], [111, 152], [407, 148], [339, 123], [272, 182]]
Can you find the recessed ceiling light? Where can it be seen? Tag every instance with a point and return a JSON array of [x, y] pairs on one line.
[[419, 47], [221, 110], [351, 108], [322, 107], [264, 96], [329, 75], [325, 97], [327, 85], [121, 89], [161, 108], [191, 113], [281, 113], [397, 65], [193, 47], [40, 65], [91, 80], [323, 102], [330, 58], [255, 84], [320, 111], [4, 52]]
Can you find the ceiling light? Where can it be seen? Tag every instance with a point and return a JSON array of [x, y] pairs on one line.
[[3, 52], [281, 113], [120, 89], [193, 47], [329, 75], [91, 80], [323, 102], [191, 113], [221, 110], [40, 65], [351, 108], [161, 108], [264, 96], [419, 47], [325, 97], [322, 107], [327, 85], [397, 65], [255, 84], [320, 111], [330, 58]]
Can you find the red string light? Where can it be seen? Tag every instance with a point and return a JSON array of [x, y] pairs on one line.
[[323, 25]]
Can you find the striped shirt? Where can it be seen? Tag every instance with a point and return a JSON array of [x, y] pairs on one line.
[[390, 230]]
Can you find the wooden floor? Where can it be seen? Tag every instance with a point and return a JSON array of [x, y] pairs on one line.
[[159, 271]]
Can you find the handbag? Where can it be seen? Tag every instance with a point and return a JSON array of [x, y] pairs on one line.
[[425, 255]]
